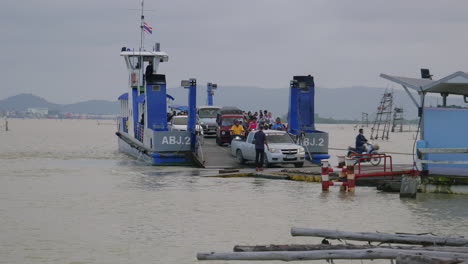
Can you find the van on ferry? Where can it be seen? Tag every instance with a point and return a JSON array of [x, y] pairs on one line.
[[225, 119], [207, 119]]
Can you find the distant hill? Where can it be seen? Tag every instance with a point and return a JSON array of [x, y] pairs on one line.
[[337, 103], [22, 102]]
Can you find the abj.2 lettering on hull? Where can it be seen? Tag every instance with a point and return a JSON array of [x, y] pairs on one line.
[[171, 141], [316, 142]]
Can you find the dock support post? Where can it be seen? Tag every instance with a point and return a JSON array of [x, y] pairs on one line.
[[350, 174], [342, 174], [409, 186], [325, 178]]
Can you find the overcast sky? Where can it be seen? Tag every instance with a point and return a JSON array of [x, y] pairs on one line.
[[68, 50]]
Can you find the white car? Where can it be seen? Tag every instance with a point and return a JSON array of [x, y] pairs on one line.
[[179, 123], [282, 150]]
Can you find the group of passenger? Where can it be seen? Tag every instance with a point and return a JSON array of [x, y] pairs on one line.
[[256, 121], [265, 118]]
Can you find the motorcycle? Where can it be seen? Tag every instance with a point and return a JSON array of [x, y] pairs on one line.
[[366, 155]]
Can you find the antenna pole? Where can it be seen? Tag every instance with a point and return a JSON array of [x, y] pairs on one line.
[[141, 26], [141, 47]]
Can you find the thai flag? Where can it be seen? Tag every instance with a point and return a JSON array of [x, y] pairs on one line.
[[147, 28]]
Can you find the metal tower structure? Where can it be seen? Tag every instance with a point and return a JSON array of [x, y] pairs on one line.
[[364, 120], [381, 127], [397, 119]]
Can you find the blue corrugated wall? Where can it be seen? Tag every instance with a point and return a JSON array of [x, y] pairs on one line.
[[446, 128]]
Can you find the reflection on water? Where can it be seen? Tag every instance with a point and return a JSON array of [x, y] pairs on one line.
[[82, 208]]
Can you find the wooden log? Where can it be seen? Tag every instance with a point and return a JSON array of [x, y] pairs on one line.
[[381, 237], [311, 247], [415, 259], [260, 248], [375, 253]]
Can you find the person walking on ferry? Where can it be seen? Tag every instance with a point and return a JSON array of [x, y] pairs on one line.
[[278, 125], [260, 142], [360, 141], [237, 129]]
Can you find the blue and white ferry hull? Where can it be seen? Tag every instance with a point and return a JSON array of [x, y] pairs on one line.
[[165, 158]]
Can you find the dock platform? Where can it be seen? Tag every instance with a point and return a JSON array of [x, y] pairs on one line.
[[219, 157], [219, 162]]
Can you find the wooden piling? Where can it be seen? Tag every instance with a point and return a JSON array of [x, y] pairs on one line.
[[342, 174], [350, 176], [409, 186]]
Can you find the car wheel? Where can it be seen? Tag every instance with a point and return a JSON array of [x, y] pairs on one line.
[[299, 165], [265, 162], [239, 157], [218, 142]]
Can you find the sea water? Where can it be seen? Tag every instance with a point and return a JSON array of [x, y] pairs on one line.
[[68, 196]]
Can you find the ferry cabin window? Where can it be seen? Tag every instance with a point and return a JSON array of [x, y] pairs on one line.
[[135, 62]]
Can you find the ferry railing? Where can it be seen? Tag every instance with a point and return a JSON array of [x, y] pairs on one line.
[[366, 169], [200, 150], [139, 132], [384, 168], [124, 124]]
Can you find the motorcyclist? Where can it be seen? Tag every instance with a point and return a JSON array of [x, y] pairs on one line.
[[237, 129], [360, 141]]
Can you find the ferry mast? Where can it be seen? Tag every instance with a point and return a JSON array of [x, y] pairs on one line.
[[142, 25], [142, 32]]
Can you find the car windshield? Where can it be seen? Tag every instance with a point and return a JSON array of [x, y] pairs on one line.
[[207, 112], [279, 138], [179, 120], [229, 121]]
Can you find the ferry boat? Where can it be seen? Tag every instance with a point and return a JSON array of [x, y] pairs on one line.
[[142, 125]]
